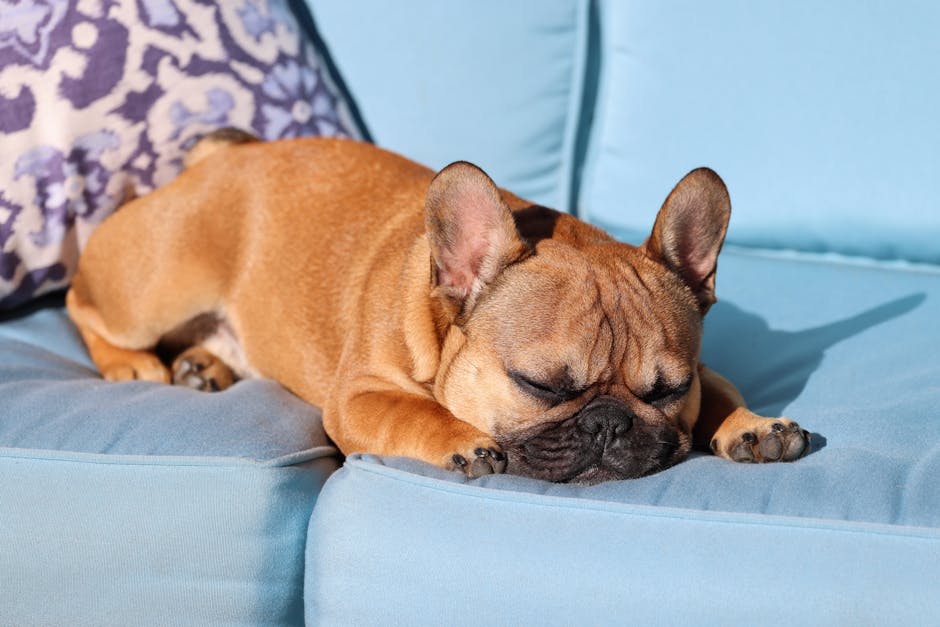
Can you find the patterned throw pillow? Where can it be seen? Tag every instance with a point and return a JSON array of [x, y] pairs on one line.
[[100, 98]]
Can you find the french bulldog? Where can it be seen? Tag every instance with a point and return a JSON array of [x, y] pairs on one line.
[[430, 315]]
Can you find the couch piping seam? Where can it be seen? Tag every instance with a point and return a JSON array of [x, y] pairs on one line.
[[621, 509]]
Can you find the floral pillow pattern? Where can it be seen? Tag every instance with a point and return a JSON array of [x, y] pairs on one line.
[[99, 99]]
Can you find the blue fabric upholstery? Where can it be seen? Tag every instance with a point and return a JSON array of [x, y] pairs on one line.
[[139, 504], [496, 83], [822, 119], [117, 499], [848, 535], [449, 551]]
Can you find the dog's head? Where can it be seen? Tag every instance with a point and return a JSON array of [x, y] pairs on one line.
[[578, 353]]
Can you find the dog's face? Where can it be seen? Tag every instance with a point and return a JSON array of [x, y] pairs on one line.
[[579, 354]]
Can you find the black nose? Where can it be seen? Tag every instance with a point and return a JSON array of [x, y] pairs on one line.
[[606, 415]]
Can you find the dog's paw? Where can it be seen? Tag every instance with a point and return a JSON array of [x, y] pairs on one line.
[[137, 366], [762, 440], [486, 459], [199, 369]]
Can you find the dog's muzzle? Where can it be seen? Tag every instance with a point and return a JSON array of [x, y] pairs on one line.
[[602, 442]]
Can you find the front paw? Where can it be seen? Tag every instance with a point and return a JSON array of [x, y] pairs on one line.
[[762, 440], [478, 462]]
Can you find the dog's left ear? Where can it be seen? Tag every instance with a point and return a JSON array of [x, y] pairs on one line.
[[471, 233], [690, 230]]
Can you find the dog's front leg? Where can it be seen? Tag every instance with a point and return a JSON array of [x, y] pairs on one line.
[[731, 430], [400, 423]]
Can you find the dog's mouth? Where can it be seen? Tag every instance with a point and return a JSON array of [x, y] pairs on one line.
[[603, 442]]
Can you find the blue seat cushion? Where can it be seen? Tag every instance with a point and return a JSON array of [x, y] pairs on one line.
[[848, 535], [133, 503]]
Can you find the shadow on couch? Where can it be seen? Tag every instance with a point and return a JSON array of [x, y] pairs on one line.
[[772, 367]]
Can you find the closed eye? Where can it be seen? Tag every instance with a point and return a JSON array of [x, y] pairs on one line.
[[662, 392], [547, 392]]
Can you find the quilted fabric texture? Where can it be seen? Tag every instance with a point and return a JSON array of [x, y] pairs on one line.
[[100, 98]]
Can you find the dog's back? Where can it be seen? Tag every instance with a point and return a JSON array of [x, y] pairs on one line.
[[313, 216]]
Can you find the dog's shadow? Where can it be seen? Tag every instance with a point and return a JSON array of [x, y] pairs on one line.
[[772, 367]]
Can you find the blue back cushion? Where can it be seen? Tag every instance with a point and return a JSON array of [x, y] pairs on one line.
[[821, 117], [492, 82]]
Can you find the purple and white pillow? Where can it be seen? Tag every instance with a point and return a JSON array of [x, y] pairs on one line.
[[100, 98]]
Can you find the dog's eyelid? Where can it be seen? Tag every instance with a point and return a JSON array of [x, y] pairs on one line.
[[546, 391], [682, 388], [518, 377], [661, 390]]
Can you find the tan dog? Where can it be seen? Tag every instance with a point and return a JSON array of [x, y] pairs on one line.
[[430, 316]]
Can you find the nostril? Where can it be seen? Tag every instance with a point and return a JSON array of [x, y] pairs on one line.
[[612, 420], [591, 423]]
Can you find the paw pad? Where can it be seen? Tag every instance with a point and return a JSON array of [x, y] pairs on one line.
[[776, 441], [486, 461]]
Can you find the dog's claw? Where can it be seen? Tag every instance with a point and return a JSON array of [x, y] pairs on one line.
[[485, 461], [494, 458]]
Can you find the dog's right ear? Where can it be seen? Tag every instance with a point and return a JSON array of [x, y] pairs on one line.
[[471, 233]]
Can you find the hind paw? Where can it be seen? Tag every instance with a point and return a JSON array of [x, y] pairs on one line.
[[199, 369]]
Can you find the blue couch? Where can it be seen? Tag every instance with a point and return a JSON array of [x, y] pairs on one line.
[[143, 504]]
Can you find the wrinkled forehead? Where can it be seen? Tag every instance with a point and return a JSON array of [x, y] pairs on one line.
[[540, 296], [564, 304]]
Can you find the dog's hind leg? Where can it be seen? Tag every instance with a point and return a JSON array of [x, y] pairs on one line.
[[162, 261], [123, 304], [115, 363]]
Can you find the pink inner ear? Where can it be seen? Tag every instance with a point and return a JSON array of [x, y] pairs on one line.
[[696, 253], [690, 229], [476, 218], [461, 264], [470, 228]]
